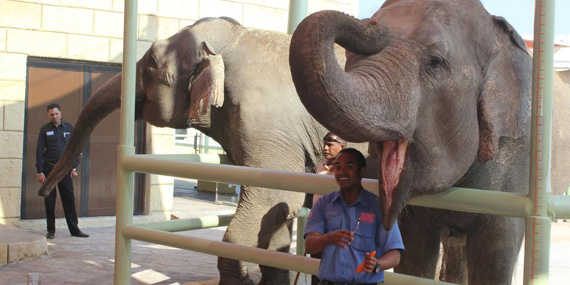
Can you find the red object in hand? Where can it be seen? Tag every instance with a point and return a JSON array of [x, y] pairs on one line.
[[360, 267]]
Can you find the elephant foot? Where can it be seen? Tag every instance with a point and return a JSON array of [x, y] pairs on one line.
[[233, 272]]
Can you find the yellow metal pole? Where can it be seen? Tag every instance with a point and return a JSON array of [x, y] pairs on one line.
[[538, 225], [125, 178]]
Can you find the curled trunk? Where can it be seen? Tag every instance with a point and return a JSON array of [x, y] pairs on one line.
[[104, 101], [326, 90]]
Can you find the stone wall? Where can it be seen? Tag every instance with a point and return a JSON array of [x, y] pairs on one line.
[[92, 30]]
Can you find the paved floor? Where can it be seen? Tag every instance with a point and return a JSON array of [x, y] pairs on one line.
[[90, 261]]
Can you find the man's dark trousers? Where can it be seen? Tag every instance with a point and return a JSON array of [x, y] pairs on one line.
[[67, 200]]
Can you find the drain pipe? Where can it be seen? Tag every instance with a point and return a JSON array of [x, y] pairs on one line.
[[297, 12]]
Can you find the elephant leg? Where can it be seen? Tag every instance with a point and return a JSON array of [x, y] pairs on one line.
[[234, 271], [280, 241], [454, 260], [492, 250], [421, 240], [260, 225]]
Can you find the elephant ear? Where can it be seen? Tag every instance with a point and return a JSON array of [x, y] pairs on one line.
[[206, 87], [503, 103]]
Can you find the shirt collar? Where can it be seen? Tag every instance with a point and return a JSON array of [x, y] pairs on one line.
[[60, 124], [337, 195]]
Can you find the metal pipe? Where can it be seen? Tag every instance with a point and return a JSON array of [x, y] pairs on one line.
[[250, 254], [493, 202], [125, 178], [560, 206], [477, 201], [538, 226], [188, 224], [297, 12], [301, 222]]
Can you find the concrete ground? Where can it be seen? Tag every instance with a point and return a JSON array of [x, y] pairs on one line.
[[74, 260]]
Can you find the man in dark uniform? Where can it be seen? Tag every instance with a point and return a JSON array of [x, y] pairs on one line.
[[52, 140]]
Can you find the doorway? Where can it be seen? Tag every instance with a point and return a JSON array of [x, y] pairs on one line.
[[71, 84]]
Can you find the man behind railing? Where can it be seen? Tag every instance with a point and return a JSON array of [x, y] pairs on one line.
[[346, 226]]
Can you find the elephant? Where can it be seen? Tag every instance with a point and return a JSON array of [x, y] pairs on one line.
[[441, 90], [234, 85]]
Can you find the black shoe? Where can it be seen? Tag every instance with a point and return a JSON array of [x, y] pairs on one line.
[[50, 235], [80, 234]]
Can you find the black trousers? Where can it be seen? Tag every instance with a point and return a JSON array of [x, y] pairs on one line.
[[67, 200]]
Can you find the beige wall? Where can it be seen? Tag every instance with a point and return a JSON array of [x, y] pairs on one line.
[[92, 30]]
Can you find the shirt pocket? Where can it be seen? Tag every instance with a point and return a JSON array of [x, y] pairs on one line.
[[333, 224], [66, 136], [51, 139], [364, 237]]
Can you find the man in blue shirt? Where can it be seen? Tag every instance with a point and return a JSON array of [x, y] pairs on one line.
[[346, 226]]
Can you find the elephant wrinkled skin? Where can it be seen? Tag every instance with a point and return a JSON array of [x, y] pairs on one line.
[[441, 90], [234, 85]]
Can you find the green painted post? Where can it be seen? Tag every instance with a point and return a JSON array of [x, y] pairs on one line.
[[125, 178], [297, 12], [301, 221], [538, 225]]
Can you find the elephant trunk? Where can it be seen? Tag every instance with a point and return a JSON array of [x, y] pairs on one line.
[[105, 100], [342, 101], [374, 99]]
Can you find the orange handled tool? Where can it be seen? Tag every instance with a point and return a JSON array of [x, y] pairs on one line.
[[360, 267]]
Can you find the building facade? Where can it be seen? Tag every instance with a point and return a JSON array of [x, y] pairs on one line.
[[50, 44]]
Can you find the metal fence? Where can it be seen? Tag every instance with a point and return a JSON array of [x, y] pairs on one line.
[[537, 209]]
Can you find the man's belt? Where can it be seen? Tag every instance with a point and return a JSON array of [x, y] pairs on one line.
[[51, 163]]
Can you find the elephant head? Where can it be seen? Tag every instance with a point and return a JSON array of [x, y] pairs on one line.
[[179, 80], [432, 85]]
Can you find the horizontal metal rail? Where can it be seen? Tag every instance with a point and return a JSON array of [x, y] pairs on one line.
[[250, 254], [457, 199], [188, 224]]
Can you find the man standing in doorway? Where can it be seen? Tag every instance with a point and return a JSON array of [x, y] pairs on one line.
[[52, 140]]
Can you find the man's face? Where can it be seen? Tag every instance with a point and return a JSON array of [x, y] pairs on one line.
[[331, 149], [54, 116], [347, 171]]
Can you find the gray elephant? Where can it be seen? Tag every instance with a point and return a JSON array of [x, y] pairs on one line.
[[234, 85], [441, 90]]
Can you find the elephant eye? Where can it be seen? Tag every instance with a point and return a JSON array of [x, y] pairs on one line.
[[436, 61]]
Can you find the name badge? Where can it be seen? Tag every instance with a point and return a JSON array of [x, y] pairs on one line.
[[50, 133], [65, 134]]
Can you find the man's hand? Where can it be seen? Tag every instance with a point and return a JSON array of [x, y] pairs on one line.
[[340, 238], [41, 178], [74, 173], [316, 242], [369, 262]]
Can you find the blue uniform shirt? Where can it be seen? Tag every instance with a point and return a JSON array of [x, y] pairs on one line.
[[330, 213]]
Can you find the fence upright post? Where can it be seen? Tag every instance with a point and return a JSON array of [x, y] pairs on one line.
[[126, 178], [538, 225]]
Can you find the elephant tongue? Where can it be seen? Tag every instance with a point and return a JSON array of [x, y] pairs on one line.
[[392, 164]]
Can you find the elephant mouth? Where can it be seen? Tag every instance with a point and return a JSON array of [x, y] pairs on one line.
[[391, 166]]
